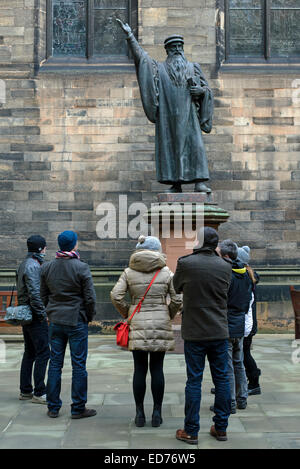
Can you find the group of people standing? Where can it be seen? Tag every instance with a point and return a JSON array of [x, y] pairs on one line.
[[213, 289]]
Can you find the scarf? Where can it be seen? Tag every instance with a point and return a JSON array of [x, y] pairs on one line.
[[67, 254], [37, 256]]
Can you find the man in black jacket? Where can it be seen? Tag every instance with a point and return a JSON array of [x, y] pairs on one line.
[[239, 297], [69, 296], [204, 279], [36, 343]]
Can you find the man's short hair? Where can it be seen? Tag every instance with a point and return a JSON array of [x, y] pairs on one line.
[[229, 248], [209, 236]]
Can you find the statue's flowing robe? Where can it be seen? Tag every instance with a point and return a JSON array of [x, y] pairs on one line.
[[179, 149]]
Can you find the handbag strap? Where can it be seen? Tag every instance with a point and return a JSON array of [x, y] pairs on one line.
[[11, 296], [13, 288], [138, 308]]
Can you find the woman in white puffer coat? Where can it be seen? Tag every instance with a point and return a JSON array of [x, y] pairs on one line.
[[150, 329]]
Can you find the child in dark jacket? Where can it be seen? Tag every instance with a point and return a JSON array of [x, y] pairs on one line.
[[239, 296], [252, 371]]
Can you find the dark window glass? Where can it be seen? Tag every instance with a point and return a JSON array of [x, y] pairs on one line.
[[246, 37], [87, 28], [108, 36], [263, 28], [69, 28], [285, 4], [245, 3], [285, 28]]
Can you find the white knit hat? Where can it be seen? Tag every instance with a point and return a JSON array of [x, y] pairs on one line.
[[148, 242], [244, 255]]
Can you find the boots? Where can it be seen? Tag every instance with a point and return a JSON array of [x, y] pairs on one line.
[[253, 383], [156, 416], [140, 418]]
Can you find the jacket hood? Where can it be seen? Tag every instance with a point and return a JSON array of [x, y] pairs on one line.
[[147, 261], [239, 268]]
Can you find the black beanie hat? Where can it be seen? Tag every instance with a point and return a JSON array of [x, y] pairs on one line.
[[211, 237], [208, 236], [36, 243]]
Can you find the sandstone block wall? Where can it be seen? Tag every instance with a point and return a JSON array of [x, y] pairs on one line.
[[70, 140]]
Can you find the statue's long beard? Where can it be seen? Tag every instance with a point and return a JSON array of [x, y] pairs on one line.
[[177, 70]]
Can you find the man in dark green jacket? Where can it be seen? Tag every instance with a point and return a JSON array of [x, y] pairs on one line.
[[204, 279]]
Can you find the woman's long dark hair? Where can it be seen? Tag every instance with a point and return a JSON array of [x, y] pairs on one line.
[[251, 273]]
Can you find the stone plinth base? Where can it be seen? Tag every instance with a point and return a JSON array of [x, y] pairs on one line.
[[177, 217]]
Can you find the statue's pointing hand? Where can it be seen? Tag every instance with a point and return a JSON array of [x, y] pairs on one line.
[[126, 28]]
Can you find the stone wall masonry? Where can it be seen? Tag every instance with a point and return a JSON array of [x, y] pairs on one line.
[[69, 141], [265, 158]]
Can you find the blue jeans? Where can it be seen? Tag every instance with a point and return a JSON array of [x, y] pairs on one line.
[[77, 336], [236, 371], [36, 352], [195, 353]]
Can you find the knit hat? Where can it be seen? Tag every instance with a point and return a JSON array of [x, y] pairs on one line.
[[36, 243], [67, 240], [148, 242], [207, 237], [244, 255]]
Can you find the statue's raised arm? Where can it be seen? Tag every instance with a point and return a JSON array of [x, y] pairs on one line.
[[136, 50], [146, 69]]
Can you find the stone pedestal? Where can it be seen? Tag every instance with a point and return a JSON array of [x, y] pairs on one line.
[[175, 220]]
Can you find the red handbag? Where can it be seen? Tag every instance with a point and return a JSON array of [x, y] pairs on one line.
[[122, 328]]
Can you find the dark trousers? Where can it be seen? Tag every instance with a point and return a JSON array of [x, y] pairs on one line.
[[217, 354], [77, 336], [252, 371], [35, 358], [140, 358]]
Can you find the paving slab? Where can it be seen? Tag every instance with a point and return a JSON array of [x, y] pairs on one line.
[[271, 420]]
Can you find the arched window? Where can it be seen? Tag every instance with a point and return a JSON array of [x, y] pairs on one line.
[[88, 28]]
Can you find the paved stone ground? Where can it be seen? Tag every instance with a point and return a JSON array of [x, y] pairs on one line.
[[271, 420]]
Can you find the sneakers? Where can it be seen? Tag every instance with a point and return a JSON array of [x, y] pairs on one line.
[[39, 399], [220, 436], [183, 436], [25, 396], [86, 413], [52, 414], [254, 391], [31, 397], [242, 405]]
